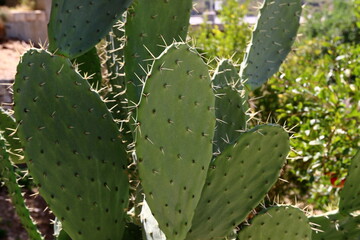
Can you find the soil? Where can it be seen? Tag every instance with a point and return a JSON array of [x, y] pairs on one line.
[[10, 227]]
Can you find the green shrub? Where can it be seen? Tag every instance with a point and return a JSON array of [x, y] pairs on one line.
[[231, 40], [319, 97]]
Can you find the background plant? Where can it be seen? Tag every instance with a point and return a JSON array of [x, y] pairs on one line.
[[319, 97], [230, 38]]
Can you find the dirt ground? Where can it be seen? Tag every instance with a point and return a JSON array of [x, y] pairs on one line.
[[10, 227]]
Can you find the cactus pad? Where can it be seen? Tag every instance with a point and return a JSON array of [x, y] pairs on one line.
[[176, 119], [89, 66], [230, 104], [73, 147], [282, 222], [350, 194], [336, 226], [271, 41], [240, 176], [225, 74], [76, 26], [8, 127], [149, 26], [7, 174]]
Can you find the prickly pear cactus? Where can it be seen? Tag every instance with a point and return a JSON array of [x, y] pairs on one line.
[[193, 171], [271, 40], [73, 147], [150, 26], [90, 67], [175, 127], [335, 226], [72, 22], [240, 176], [349, 196], [8, 128], [230, 104], [280, 222], [8, 176]]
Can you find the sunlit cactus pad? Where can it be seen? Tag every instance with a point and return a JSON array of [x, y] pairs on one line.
[[73, 147], [176, 120], [240, 176]]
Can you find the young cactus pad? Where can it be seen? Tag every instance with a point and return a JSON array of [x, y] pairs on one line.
[[176, 120], [238, 180], [8, 176], [73, 147], [278, 223], [151, 25], [271, 41], [76, 26]]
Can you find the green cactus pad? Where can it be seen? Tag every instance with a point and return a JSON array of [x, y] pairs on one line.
[[149, 26], [7, 174], [8, 127], [335, 226], [73, 147], [76, 26], [271, 41], [226, 74], [151, 226], [89, 65], [176, 119], [238, 180], [278, 223], [231, 106], [350, 194]]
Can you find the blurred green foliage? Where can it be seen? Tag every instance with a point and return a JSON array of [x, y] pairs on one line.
[[230, 38], [316, 93]]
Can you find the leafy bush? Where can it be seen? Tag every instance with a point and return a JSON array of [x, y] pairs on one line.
[[231, 40], [318, 93], [335, 19]]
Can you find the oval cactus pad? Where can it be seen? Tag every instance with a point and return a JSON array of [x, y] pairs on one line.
[[176, 121], [238, 179], [72, 147], [275, 223], [76, 26]]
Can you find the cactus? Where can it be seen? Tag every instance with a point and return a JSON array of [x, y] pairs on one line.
[[90, 67], [9, 178], [271, 41], [72, 22], [179, 78], [199, 169], [60, 125], [231, 105], [149, 26], [252, 163], [8, 127], [269, 224]]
